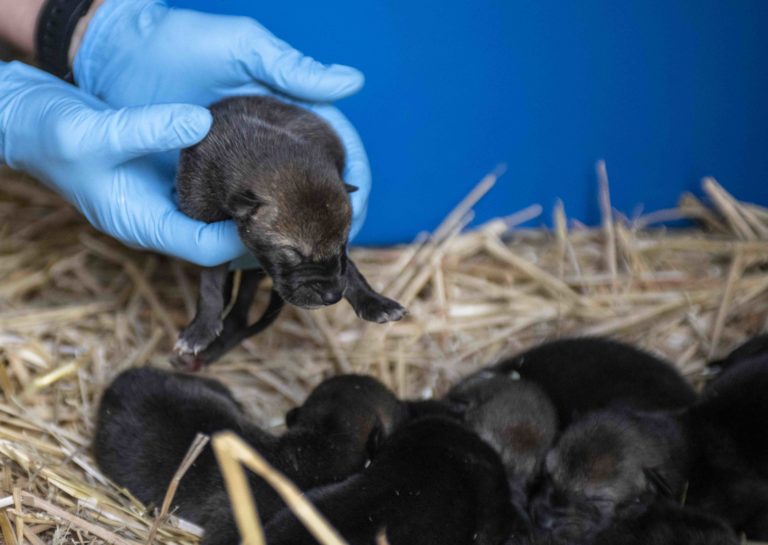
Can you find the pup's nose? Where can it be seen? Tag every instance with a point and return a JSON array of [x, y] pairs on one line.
[[330, 296]]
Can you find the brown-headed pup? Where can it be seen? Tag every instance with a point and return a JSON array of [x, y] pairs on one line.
[[607, 467], [276, 170]]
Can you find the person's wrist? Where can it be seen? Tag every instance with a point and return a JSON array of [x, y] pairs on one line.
[[82, 26], [18, 22]]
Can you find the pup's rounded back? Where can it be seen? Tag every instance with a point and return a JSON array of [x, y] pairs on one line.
[[591, 373], [147, 421]]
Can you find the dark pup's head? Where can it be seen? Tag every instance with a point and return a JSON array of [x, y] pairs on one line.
[[354, 410], [515, 417], [299, 233], [602, 465]]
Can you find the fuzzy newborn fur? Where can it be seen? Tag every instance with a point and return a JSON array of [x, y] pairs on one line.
[[276, 170], [148, 419], [517, 419], [608, 466]]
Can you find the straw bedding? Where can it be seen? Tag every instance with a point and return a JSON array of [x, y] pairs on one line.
[[76, 308]]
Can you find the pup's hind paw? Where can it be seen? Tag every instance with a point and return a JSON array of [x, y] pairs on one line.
[[380, 309], [197, 336]]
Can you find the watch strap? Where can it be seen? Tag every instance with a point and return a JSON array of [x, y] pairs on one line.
[[55, 28]]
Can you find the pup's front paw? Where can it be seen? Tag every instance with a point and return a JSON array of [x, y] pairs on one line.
[[380, 309], [197, 336], [187, 362]]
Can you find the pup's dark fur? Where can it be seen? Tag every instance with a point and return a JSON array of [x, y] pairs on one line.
[[350, 405], [433, 483], [148, 419], [667, 523], [608, 466], [664, 522], [276, 170], [730, 472], [434, 407], [755, 346], [585, 374], [516, 418]]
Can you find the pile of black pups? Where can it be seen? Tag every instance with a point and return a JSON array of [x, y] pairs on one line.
[[580, 441]]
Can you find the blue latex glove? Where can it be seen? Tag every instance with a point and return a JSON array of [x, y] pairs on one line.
[[138, 52], [96, 158]]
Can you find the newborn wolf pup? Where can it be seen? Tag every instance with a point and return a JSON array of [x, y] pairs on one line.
[[609, 466], [276, 170]]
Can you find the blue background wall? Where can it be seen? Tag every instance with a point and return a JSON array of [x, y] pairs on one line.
[[667, 91]]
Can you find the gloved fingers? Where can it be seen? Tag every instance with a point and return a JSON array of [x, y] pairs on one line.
[[141, 130], [275, 63], [358, 170], [168, 230], [136, 206], [157, 223], [205, 244]]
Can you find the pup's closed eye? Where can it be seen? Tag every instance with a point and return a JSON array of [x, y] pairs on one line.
[[292, 256]]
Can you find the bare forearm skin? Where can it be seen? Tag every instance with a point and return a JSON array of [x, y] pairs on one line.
[[18, 23], [18, 19]]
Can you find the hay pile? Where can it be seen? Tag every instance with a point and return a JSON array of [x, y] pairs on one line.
[[77, 308]]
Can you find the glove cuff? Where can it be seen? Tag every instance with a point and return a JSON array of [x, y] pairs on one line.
[[116, 26]]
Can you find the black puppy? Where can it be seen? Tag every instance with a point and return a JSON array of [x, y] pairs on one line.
[[276, 170], [148, 419], [356, 406], [516, 418], [730, 471], [585, 374], [606, 467], [433, 483]]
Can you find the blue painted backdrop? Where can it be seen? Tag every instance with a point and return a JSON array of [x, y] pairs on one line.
[[665, 90]]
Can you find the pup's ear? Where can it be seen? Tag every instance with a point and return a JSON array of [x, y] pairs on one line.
[[291, 416], [244, 203], [351, 188]]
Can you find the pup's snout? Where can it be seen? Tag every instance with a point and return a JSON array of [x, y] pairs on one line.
[[329, 296], [328, 291]]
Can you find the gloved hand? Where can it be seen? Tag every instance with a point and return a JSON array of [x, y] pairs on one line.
[[138, 52], [96, 158]]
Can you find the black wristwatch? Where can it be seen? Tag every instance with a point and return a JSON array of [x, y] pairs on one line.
[[55, 28]]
